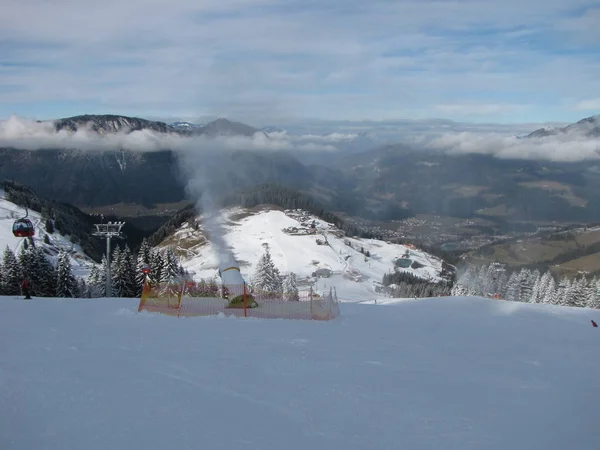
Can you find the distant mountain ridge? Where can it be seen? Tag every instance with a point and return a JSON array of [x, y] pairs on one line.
[[110, 123], [588, 127]]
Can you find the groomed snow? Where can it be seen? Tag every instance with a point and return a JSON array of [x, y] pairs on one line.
[[9, 212], [354, 276], [450, 373]]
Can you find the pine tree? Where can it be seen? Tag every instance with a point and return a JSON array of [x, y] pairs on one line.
[[12, 273], [45, 275], [66, 284], [563, 293], [156, 265], [550, 290], [1, 280], [82, 289], [580, 292], [171, 269], [143, 260], [513, 287], [594, 300], [115, 264], [95, 284], [116, 273], [102, 278], [290, 288], [526, 285], [267, 277], [49, 226]]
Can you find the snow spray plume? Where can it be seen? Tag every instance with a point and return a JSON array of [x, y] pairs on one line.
[[201, 188]]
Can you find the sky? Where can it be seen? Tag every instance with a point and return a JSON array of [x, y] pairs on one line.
[[266, 62]]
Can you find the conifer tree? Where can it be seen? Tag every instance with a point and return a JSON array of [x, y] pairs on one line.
[[143, 260], [513, 287], [594, 300], [290, 288], [12, 275], [267, 277], [94, 283], [66, 284], [45, 275], [171, 268], [156, 265]]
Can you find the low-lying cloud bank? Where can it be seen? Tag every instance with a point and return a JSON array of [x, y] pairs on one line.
[[562, 147], [29, 134], [568, 147]]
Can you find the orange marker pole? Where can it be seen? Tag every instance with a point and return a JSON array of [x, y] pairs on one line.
[[245, 304]]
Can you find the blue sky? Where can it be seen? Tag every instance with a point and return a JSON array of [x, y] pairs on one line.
[[264, 62]]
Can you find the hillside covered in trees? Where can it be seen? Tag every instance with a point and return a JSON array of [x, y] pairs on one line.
[[68, 220]]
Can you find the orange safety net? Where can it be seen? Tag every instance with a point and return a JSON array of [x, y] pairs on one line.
[[189, 299]]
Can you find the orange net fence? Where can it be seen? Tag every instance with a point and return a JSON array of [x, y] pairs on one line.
[[189, 299]]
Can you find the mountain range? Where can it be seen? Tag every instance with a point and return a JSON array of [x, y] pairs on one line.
[[589, 127], [383, 182]]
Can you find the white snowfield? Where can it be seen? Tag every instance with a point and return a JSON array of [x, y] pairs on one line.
[[431, 374], [353, 274], [9, 212]]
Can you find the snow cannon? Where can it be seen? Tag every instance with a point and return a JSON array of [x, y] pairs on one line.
[[233, 285]]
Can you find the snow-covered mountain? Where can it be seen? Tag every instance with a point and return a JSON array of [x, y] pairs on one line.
[[322, 254], [184, 126], [108, 123], [588, 127], [9, 212]]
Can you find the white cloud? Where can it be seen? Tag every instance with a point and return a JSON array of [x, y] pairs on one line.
[[560, 148], [589, 105], [29, 134], [261, 60]]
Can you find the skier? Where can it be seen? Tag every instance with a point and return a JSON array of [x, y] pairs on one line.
[[25, 288]]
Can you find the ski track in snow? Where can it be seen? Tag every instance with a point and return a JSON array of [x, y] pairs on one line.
[[451, 373]]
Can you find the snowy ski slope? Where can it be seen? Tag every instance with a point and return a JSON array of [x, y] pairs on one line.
[[9, 212], [354, 275], [428, 374]]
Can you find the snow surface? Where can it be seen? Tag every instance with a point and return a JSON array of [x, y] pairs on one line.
[[354, 276], [9, 212], [450, 373]]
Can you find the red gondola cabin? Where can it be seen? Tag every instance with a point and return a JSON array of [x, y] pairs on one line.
[[23, 228]]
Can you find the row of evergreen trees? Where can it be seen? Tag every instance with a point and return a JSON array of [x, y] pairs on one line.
[[47, 280], [127, 277], [528, 286], [407, 285], [44, 279], [268, 281]]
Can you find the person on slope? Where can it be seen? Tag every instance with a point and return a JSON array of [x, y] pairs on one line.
[[25, 288]]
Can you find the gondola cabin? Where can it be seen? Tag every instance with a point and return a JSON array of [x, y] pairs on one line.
[[23, 228]]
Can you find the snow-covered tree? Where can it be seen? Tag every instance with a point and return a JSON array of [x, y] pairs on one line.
[[96, 288], [594, 299], [290, 288], [45, 275], [266, 277], [11, 275], [513, 287], [527, 281], [156, 265], [171, 269], [143, 260], [122, 273], [563, 293], [66, 284]]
